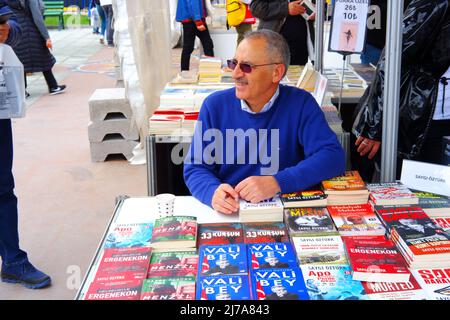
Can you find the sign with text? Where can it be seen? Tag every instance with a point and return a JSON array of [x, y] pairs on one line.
[[427, 177], [348, 26]]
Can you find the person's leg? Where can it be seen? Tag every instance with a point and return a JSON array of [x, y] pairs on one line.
[[50, 79], [189, 31], [53, 87], [15, 265], [110, 24], [102, 15], [205, 39], [241, 30], [9, 234]]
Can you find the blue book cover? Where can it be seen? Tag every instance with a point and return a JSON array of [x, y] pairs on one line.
[[222, 260], [271, 256], [235, 287], [129, 235], [332, 282], [278, 284]]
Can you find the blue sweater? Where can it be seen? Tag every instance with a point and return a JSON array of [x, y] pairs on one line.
[[307, 149]]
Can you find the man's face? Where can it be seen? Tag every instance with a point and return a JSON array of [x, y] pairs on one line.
[[258, 86], [279, 290], [272, 260], [410, 223], [222, 263]]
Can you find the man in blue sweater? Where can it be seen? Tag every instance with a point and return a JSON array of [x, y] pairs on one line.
[[15, 265], [259, 138]]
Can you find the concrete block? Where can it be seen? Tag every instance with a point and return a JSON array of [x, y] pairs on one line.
[[127, 129], [107, 101], [100, 150]]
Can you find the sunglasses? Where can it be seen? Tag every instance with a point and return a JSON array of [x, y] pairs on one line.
[[246, 67]]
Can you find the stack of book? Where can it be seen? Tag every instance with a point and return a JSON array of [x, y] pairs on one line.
[[278, 284], [174, 233], [306, 198], [171, 276], [200, 95], [422, 243], [303, 221], [177, 98], [332, 117], [265, 232], [320, 250], [394, 193], [434, 205], [346, 189], [210, 70], [270, 210], [354, 220], [168, 288], [166, 124], [443, 222], [435, 282], [220, 234], [353, 84], [173, 122], [271, 256], [223, 273], [124, 263], [332, 282], [173, 264], [375, 259]]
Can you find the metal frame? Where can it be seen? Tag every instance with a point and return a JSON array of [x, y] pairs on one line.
[[150, 152], [394, 37]]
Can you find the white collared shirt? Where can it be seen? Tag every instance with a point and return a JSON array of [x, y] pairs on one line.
[[245, 107]]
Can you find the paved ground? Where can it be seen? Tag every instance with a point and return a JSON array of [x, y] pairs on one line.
[[65, 200]]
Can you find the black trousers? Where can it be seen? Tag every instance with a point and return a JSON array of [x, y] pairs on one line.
[[295, 31], [190, 31], [49, 78]]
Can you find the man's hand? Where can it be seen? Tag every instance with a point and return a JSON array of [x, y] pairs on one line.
[[256, 189], [367, 146], [296, 8], [49, 44], [4, 32], [225, 200]]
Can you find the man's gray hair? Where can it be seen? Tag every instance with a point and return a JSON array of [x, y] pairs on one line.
[[277, 47]]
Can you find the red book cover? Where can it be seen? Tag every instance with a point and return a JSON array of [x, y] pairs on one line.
[[376, 260], [394, 290], [118, 290], [356, 219], [123, 264], [417, 230]]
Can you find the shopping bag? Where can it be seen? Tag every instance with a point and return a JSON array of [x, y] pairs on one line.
[[12, 84]]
